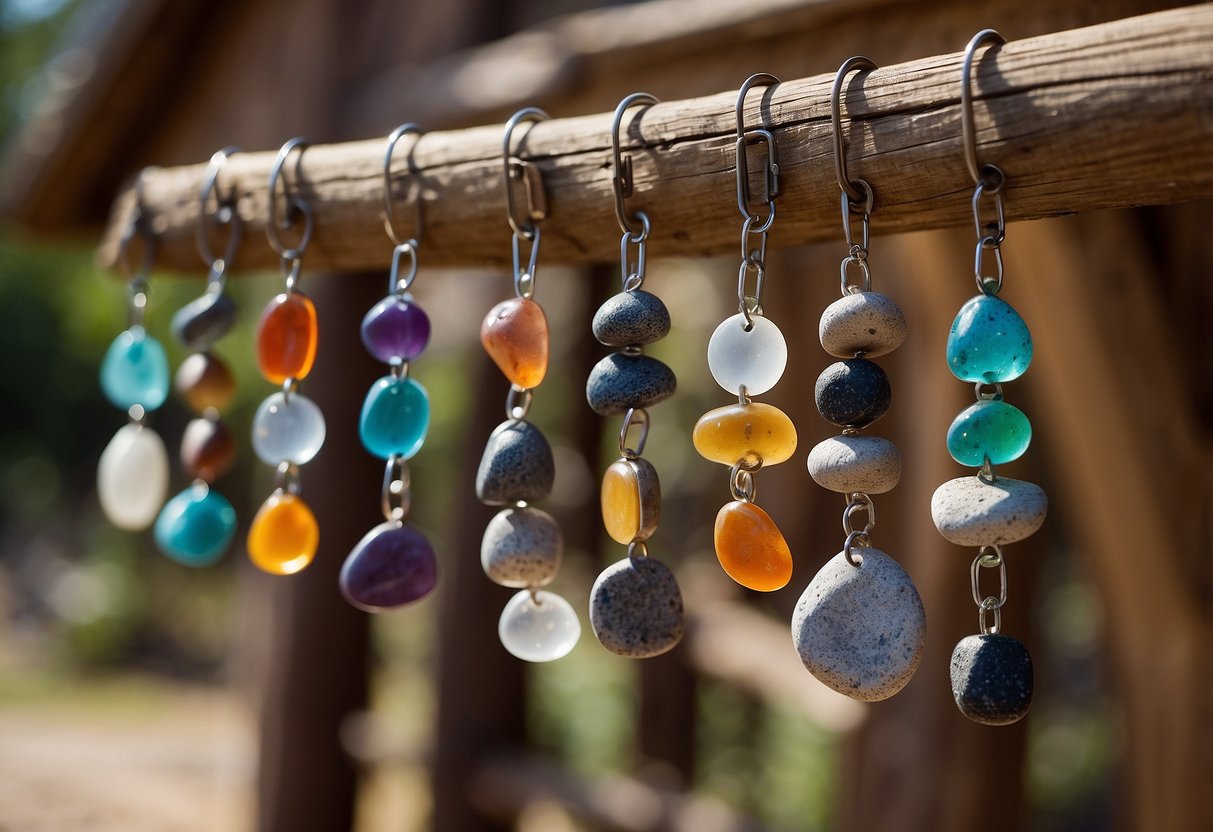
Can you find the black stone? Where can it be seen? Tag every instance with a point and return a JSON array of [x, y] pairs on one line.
[[203, 321], [620, 381], [853, 393], [517, 465], [630, 319], [992, 679]]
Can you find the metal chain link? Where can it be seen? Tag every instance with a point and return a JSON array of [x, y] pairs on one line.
[[396, 495]]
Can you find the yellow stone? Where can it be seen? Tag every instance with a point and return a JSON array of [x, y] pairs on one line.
[[737, 431], [631, 500], [284, 535], [751, 548]]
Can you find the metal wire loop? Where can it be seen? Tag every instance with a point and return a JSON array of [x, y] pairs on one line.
[[856, 502], [844, 271], [225, 213], [515, 170], [986, 472], [744, 139], [632, 270], [983, 623], [622, 182], [864, 210], [989, 175], [518, 403], [290, 386], [296, 205], [984, 395], [997, 228], [989, 557], [396, 496], [286, 478], [635, 417], [389, 215], [854, 539], [638, 549], [524, 280], [849, 188], [988, 284], [750, 304], [397, 285]]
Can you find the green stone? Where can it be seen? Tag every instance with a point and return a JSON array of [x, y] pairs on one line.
[[989, 428]]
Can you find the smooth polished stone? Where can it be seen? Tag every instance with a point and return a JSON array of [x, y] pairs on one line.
[[750, 547], [850, 464], [631, 318], [395, 418], [866, 323], [521, 547], [631, 500], [992, 679], [636, 608], [284, 535], [134, 371], [287, 337], [515, 335], [196, 527], [517, 465], [988, 342], [132, 477], [395, 329], [542, 628], [970, 512], [391, 566], [853, 393], [753, 358], [619, 382], [205, 382], [861, 629], [745, 431], [208, 449], [203, 321], [991, 429], [287, 429]]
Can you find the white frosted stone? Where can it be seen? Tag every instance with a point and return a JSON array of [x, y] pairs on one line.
[[521, 547], [754, 359], [862, 322], [970, 512], [287, 430], [132, 477], [846, 464], [539, 629]]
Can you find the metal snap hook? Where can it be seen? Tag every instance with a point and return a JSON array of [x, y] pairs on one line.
[[389, 215], [860, 200], [516, 169], [296, 205], [225, 214], [622, 181], [744, 139], [991, 176]]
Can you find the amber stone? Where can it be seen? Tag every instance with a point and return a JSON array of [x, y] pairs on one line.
[[207, 449], [284, 535], [287, 335], [728, 434], [631, 500], [515, 335], [204, 381], [751, 548]]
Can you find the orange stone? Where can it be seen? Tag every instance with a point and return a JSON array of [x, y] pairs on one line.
[[287, 335], [515, 335], [631, 500], [745, 431], [284, 535], [751, 548], [205, 382]]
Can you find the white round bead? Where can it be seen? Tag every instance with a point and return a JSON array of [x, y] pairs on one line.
[[862, 322], [970, 512], [132, 477], [754, 359], [847, 464], [539, 629], [287, 429]]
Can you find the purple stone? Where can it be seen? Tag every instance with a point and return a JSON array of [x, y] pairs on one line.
[[395, 330], [391, 566]]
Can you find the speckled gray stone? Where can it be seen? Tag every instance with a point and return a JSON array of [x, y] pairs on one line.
[[636, 608], [517, 465], [862, 322], [992, 679], [521, 547], [852, 393], [620, 381], [203, 321], [860, 629], [970, 512], [630, 319], [846, 464]]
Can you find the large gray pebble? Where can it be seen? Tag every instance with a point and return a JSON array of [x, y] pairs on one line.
[[846, 464], [517, 465], [619, 382], [862, 322], [521, 547], [971, 512], [630, 319], [636, 608]]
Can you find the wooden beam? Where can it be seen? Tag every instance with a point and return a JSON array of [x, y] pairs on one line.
[[1106, 116]]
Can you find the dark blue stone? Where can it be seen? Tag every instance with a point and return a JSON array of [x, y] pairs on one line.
[[992, 679], [853, 393], [630, 319], [619, 382]]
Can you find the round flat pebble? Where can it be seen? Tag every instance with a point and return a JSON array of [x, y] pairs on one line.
[[992, 679], [517, 465], [753, 358], [132, 477], [993, 429], [288, 429], [631, 318], [636, 608], [970, 512], [862, 322], [521, 547], [861, 629], [538, 627], [619, 382], [203, 321], [853, 393], [849, 464]]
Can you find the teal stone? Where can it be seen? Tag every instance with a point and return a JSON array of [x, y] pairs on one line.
[[989, 428], [988, 342], [135, 371], [395, 418], [196, 527]]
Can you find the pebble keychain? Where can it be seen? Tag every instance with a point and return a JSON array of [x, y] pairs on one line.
[[522, 544], [132, 474], [394, 564], [747, 355], [197, 526], [635, 605], [859, 627], [988, 344], [288, 428]]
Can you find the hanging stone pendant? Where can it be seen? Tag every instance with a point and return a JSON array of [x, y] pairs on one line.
[[751, 549], [992, 679], [988, 342], [521, 547], [636, 608], [391, 566], [861, 629], [517, 465], [132, 477], [134, 371], [538, 626], [196, 526]]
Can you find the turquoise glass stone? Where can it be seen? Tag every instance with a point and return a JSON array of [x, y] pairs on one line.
[[395, 417], [989, 428], [988, 341], [135, 371], [196, 526]]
